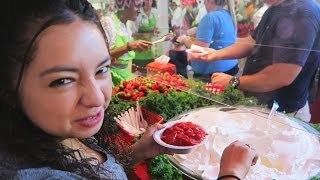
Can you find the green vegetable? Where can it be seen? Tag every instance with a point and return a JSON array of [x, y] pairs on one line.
[[232, 96], [173, 103], [160, 168]]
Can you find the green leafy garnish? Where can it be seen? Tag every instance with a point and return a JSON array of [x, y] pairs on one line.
[[160, 168]]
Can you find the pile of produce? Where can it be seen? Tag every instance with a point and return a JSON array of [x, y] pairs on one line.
[[137, 88], [214, 88], [173, 80], [173, 103], [140, 87]]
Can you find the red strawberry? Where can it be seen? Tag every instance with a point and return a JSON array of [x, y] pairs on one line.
[[141, 94], [143, 88]]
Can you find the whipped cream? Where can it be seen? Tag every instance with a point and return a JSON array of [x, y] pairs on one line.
[[287, 150]]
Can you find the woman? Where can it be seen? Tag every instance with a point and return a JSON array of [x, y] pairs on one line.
[[189, 17], [122, 47], [55, 85], [145, 29], [216, 30]]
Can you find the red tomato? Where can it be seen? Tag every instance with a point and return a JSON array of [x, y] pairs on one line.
[[215, 88]]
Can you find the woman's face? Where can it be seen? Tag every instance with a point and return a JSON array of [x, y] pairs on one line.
[[210, 5], [65, 88], [147, 3], [132, 13]]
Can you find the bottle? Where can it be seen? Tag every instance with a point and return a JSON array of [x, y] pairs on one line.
[[189, 72]]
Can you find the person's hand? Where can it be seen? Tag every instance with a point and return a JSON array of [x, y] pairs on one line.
[[200, 56], [237, 159], [144, 36], [221, 78], [192, 31], [146, 147], [182, 39], [139, 45]]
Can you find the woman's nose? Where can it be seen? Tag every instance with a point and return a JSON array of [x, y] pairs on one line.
[[93, 95]]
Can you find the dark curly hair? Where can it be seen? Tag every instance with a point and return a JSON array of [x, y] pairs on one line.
[[22, 144]]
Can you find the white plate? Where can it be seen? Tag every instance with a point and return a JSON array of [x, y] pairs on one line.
[[175, 149], [197, 53]]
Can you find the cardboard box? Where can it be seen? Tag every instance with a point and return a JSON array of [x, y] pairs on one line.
[[157, 67]]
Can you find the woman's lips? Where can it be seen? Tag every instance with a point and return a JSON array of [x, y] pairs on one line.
[[91, 121]]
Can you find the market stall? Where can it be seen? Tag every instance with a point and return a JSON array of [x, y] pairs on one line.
[[288, 148]]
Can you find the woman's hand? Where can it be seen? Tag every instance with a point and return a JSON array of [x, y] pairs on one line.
[[146, 147], [237, 159], [139, 45]]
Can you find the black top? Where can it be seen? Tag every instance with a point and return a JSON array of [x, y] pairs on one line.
[[180, 59], [288, 33]]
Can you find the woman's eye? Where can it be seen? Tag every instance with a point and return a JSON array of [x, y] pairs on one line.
[[60, 82], [103, 70]]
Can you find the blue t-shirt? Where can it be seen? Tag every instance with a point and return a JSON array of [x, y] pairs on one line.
[[217, 29], [288, 33]]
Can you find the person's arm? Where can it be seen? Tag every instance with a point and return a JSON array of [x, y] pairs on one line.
[[291, 51], [270, 78], [205, 33], [236, 161], [242, 48], [139, 45], [117, 52], [239, 50], [187, 41]]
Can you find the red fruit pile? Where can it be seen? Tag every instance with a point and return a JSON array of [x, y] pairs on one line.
[[173, 80], [183, 134], [138, 88], [214, 88]]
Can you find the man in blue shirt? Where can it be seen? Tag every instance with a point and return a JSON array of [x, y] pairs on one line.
[[283, 54], [217, 31]]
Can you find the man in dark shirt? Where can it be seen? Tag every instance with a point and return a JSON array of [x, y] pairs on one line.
[[283, 54]]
